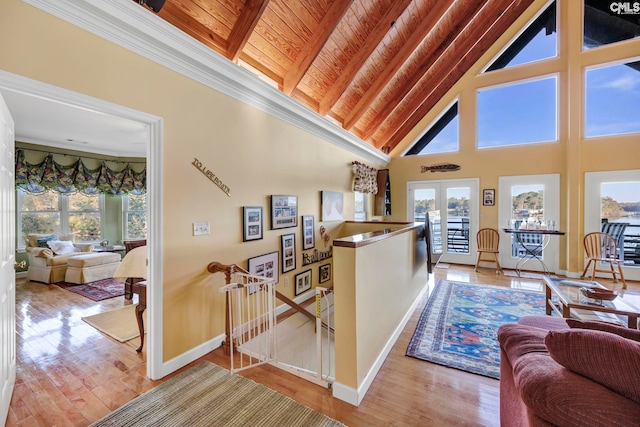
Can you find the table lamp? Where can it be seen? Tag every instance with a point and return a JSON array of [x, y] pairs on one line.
[[133, 266]]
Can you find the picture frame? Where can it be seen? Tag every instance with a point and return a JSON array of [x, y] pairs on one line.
[[264, 265], [332, 206], [284, 211], [303, 282], [252, 223], [324, 273], [488, 197], [288, 252], [308, 232]]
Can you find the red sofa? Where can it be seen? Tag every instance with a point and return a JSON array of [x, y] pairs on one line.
[[565, 372]]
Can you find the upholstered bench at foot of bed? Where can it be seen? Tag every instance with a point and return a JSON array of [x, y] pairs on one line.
[[91, 267]]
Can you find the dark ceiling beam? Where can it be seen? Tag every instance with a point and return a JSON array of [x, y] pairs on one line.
[[447, 30], [311, 50], [373, 40], [243, 28], [436, 13], [458, 59]]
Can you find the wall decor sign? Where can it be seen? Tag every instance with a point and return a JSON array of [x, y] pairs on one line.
[[440, 167], [303, 282], [265, 266], [207, 172], [332, 206], [489, 197], [288, 252], [284, 211], [308, 235], [316, 256], [252, 223], [324, 272]]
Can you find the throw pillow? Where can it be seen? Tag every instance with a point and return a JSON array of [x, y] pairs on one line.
[[61, 247], [42, 242], [632, 334], [603, 357]]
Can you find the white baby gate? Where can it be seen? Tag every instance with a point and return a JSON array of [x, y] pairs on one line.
[[252, 320]]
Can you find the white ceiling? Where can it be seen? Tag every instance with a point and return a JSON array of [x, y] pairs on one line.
[[51, 123]]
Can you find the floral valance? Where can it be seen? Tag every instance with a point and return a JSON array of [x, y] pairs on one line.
[[49, 175], [365, 178]]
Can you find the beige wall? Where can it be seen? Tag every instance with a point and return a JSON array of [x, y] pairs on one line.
[[570, 157], [254, 154]]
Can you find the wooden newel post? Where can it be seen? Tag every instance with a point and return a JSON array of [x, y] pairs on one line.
[[228, 270]]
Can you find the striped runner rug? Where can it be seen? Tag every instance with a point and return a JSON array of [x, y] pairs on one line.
[[208, 395]]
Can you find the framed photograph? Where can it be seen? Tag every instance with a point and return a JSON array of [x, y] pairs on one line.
[[332, 206], [303, 282], [308, 232], [264, 265], [284, 211], [252, 223], [488, 197], [324, 273], [288, 252]]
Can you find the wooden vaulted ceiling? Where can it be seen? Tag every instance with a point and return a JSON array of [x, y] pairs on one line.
[[374, 67]]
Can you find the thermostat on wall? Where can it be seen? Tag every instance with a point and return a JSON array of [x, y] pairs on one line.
[[200, 228]]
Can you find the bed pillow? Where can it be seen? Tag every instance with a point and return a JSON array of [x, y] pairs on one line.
[[62, 247], [42, 242], [605, 358]]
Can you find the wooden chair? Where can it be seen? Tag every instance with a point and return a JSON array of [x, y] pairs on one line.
[[488, 240], [616, 230], [601, 247]]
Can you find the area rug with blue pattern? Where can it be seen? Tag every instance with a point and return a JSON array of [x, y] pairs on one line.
[[459, 325]]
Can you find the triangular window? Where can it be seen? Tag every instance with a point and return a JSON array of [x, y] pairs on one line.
[[442, 136], [538, 41]]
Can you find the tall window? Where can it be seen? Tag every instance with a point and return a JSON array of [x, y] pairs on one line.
[[608, 22], [51, 212], [135, 216], [359, 206], [518, 113]]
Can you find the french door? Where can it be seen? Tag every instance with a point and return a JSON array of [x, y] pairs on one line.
[[534, 199], [452, 208]]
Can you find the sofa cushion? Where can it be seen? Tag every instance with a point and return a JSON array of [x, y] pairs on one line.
[[550, 323], [632, 334], [43, 241], [32, 238], [62, 247], [603, 357]]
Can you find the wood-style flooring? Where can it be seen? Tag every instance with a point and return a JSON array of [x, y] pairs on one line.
[[69, 374]]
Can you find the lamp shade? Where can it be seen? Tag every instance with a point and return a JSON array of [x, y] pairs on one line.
[[134, 264]]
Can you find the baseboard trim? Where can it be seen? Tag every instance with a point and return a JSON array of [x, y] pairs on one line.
[[191, 355]]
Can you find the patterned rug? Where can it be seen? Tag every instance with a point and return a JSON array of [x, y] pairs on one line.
[[459, 324], [96, 291], [208, 395]]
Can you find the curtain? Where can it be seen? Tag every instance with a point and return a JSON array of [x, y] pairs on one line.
[[365, 178], [49, 175]]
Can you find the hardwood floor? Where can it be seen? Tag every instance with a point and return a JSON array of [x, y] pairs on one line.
[[69, 374]]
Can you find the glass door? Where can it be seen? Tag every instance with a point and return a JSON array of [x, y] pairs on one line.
[[451, 206], [529, 202]]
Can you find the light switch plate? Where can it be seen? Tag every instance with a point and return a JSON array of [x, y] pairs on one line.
[[200, 228]]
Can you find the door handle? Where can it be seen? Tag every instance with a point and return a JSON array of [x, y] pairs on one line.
[[21, 264]]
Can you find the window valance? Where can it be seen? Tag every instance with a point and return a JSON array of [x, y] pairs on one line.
[[365, 178], [50, 175]]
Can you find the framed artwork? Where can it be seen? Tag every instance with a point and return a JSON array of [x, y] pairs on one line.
[[288, 252], [488, 197], [303, 282], [332, 206], [252, 223], [284, 211], [324, 273], [308, 235], [264, 265]]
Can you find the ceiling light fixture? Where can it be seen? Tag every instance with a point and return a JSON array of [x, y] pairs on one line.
[[154, 5]]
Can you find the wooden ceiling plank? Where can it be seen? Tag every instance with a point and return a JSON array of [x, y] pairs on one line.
[[312, 48], [244, 26], [197, 24], [370, 44], [438, 11], [457, 64], [447, 31]]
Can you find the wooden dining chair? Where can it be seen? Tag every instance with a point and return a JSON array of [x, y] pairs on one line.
[[488, 240], [601, 248]]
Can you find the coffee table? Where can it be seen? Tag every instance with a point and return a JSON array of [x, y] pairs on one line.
[[563, 297]]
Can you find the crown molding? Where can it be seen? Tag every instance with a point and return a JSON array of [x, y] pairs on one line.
[[139, 30]]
